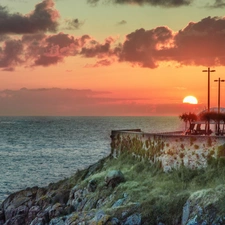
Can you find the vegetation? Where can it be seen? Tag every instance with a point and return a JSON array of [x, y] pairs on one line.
[[188, 118], [207, 116], [160, 196], [215, 116]]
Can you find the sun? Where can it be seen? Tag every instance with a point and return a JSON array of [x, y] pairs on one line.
[[190, 99]]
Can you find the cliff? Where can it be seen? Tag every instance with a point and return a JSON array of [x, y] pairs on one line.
[[124, 191]]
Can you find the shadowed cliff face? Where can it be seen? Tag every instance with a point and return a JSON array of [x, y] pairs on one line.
[[125, 191]]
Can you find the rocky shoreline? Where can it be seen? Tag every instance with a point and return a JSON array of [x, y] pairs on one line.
[[108, 193]]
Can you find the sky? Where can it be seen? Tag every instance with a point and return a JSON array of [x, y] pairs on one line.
[[110, 57]]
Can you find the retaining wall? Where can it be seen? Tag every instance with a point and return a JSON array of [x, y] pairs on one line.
[[170, 149]]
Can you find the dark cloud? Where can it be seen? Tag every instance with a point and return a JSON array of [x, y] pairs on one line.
[[50, 50], [164, 3], [43, 18], [32, 38], [73, 102], [4, 37], [93, 2], [52, 101], [95, 49], [218, 4], [100, 63], [141, 46], [199, 43], [122, 22], [46, 60], [40, 49], [54, 48], [160, 3], [9, 69], [73, 24], [62, 40], [12, 54]]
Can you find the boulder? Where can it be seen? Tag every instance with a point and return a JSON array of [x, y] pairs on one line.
[[113, 178], [92, 185], [204, 207], [100, 218], [134, 219]]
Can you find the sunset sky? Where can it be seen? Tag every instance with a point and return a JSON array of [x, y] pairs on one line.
[[109, 57]]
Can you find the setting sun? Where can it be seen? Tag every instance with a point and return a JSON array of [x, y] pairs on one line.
[[190, 99]]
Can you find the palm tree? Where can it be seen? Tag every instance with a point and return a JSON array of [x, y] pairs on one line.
[[188, 118], [207, 116]]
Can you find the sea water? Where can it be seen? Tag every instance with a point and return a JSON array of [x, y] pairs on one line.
[[35, 151]]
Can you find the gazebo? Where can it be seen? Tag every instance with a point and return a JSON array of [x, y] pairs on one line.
[[200, 126]]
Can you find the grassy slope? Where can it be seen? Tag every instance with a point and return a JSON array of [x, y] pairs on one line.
[[161, 195]]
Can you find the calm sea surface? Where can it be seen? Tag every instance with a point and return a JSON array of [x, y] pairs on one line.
[[35, 151]]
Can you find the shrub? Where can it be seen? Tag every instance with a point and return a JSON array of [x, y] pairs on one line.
[[196, 147]]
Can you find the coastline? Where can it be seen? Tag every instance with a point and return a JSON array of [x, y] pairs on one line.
[[123, 190]]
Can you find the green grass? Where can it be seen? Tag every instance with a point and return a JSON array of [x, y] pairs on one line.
[[161, 195]]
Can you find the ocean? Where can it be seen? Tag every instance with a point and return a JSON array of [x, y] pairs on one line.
[[35, 151]]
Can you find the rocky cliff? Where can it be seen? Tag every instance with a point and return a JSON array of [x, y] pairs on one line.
[[123, 191]]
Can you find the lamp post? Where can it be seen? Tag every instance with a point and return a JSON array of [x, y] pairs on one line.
[[219, 80], [209, 71]]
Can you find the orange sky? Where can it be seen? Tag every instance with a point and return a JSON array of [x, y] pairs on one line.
[[84, 58]]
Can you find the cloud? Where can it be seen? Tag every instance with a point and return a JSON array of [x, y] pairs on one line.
[[122, 22], [160, 3], [74, 102], [218, 4], [40, 49], [56, 47], [141, 46], [11, 55], [96, 49], [199, 43], [164, 3], [72, 24], [100, 63], [45, 50], [43, 18]]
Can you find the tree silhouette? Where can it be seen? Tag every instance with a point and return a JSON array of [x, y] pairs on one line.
[[215, 116], [188, 118]]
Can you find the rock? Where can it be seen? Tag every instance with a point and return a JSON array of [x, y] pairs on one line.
[[186, 212], [203, 206], [113, 221], [120, 202], [193, 221], [57, 221], [56, 210], [61, 197], [113, 178], [100, 218], [16, 220], [2, 216], [33, 211], [101, 200], [42, 217], [79, 199], [92, 185], [79, 218], [38, 221], [134, 219]]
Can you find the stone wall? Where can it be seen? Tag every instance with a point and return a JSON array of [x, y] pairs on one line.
[[170, 149]]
